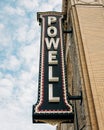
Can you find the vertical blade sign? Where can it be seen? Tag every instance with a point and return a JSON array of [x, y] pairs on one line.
[[52, 101]]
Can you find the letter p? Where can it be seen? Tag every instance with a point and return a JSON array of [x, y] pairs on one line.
[[51, 19]]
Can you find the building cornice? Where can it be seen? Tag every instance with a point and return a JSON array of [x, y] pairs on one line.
[[90, 2]]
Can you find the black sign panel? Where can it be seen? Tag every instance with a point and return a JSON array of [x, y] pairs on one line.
[[52, 95]]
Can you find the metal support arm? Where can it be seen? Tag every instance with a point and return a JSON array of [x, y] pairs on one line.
[[75, 97], [67, 31]]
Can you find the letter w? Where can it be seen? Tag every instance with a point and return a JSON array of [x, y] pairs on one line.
[[52, 41]]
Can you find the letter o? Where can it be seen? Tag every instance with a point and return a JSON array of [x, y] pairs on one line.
[[52, 31]]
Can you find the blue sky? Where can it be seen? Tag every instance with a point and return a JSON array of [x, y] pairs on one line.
[[19, 61]]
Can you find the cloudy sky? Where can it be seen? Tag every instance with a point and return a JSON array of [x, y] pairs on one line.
[[19, 61]]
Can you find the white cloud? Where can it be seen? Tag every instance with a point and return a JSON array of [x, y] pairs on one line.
[[16, 121], [28, 95], [13, 63], [25, 76], [10, 63], [6, 86], [28, 4], [1, 26], [30, 53], [45, 7], [30, 35], [50, 5], [21, 33], [5, 38], [25, 33], [14, 11], [6, 83], [20, 46], [10, 10], [20, 11], [1, 75]]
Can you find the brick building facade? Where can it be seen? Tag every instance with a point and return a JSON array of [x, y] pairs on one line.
[[85, 62]]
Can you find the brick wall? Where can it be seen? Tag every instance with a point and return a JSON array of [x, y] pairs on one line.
[[85, 62]]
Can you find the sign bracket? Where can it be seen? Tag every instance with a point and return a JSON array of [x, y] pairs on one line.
[[76, 97], [68, 31]]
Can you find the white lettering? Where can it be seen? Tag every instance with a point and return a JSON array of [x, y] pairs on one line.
[[51, 98], [51, 78], [52, 57], [52, 41], [51, 19], [52, 31]]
